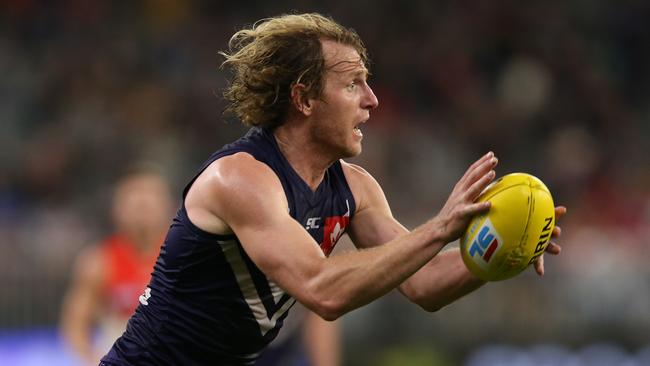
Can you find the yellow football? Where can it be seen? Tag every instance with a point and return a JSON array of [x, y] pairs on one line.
[[515, 231]]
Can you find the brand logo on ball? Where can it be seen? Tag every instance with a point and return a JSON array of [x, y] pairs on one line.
[[485, 244], [544, 238]]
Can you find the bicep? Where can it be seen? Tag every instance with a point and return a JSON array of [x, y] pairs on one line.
[[250, 199], [373, 223], [374, 227], [280, 247]]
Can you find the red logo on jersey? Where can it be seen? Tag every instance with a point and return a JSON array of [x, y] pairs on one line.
[[332, 232]]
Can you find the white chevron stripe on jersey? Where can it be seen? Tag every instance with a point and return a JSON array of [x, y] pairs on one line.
[[247, 286]]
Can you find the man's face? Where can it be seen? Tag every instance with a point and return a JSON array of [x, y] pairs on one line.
[[345, 102]]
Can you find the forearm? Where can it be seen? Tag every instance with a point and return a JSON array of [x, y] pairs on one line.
[[444, 278], [350, 280], [441, 281], [75, 328], [79, 340]]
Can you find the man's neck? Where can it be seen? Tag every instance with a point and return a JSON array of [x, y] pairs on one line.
[[305, 156]]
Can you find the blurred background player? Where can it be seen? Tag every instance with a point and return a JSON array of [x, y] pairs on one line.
[[109, 277]]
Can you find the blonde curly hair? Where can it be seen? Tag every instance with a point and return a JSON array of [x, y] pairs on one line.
[[274, 54]]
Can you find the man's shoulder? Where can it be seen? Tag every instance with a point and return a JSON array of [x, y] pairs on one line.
[[357, 176], [237, 167], [237, 176], [363, 185], [232, 189]]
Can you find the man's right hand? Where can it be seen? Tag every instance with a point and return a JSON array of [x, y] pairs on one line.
[[460, 207]]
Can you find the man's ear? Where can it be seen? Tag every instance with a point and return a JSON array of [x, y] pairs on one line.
[[301, 102]]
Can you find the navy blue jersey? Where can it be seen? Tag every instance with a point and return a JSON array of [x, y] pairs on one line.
[[207, 303]]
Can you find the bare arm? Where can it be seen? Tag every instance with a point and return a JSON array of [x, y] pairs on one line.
[[445, 278], [81, 302], [442, 280], [247, 197], [322, 341]]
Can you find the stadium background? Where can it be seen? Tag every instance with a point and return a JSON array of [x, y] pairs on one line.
[[557, 89]]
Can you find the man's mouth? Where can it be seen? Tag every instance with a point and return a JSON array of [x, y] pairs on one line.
[[357, 130]]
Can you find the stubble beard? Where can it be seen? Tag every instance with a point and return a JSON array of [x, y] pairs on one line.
[[335, 145]]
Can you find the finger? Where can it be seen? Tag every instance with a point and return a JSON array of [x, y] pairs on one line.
[[476, 208], [481, 170], [478, 172], [553, 248], [481, 160], [476, 164], [559, 212], [539, 265], [557, 231], [478, 186]]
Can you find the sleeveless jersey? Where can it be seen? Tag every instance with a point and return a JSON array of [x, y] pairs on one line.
[[207, 302]]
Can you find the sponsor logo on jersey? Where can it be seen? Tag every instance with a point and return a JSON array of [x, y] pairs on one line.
[[333, 230]]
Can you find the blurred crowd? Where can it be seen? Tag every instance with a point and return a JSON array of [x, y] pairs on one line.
[[557, 89]]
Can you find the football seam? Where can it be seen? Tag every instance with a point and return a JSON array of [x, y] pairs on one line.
[[531, 197], [487, 198], [528, 216]]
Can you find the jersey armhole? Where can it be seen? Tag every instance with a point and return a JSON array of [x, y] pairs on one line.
[[343, 181]]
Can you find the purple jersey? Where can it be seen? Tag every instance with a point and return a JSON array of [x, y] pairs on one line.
[[207, 303]]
